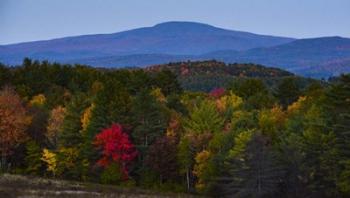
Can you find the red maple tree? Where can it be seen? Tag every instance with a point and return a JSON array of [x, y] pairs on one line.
[[217, 92], [116, 147]]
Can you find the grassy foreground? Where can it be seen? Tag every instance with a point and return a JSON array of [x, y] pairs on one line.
[[26, 186]]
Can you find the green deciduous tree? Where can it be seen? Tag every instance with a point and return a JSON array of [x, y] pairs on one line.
[[33, 158], [204, 119]]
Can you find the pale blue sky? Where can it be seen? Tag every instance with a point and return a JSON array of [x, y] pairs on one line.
[[28, 20]]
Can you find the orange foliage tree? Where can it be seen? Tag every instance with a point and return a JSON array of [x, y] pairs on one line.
[[54, 125], [14, 120]]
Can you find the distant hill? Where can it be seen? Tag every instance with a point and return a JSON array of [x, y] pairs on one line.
[[212, 67], [316, 57], [175, 38], [207, 75]]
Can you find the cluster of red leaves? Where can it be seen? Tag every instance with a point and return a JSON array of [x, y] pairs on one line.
[[217, 92], [116, 147]]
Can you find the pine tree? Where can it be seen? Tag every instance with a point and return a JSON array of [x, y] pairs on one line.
[[253, 171], [287, 91], [149, 119], [338, 107], [69, 135], [166, 80], [111, 105], [71, 161]]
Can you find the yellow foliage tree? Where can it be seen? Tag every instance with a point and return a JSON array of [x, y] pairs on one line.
[[228, 101], [200, 168], [38, 100], [271, 120], [49, 158], [241, 141], [157, 93], [69, 158], [296, 106], [85, 119]]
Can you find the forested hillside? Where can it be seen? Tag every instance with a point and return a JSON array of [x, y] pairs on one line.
[[208, 75], [252, 136]]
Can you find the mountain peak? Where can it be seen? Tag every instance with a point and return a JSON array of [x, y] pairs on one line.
[[181, 23], [184, 26]]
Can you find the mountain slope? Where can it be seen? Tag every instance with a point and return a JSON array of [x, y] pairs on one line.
[[300, 56], [318, 57], [175, 38]]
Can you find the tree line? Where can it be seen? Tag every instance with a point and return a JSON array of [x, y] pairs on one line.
[[140, 128]]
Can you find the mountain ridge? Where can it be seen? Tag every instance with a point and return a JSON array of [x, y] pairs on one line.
[[180, 41], [176, 38]]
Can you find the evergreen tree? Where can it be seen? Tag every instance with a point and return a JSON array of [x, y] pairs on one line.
[[287, 91], [69, 135], [185, 157], [149, 119], [253, 170], [166, 80], [338, 108], [254, 92], [111, 105], [5, 75]]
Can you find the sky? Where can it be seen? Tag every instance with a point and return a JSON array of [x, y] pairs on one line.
[[30, 20]]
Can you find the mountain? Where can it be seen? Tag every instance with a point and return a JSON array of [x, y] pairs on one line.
[[317, 57], [182, 41], [173, 38]]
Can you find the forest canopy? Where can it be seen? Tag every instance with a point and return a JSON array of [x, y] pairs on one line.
[[260, 133]]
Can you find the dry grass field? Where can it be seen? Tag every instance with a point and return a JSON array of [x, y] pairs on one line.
[[33, 187]]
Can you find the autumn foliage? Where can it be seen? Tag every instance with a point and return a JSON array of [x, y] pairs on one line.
[[14, 120], [253, 138], [217, 92], [115, 147]]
